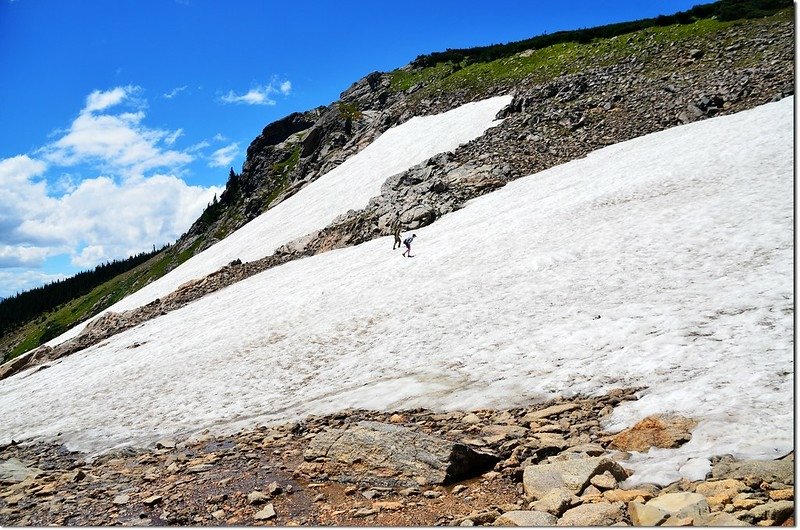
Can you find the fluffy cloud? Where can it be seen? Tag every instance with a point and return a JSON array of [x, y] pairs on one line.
[[18, 282], [98, 100], [260, 95], [119, 142], [100, 219], [224, 156], [119, 196]]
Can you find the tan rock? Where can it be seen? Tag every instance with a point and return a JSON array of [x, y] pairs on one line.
[[744, 502], [599, 514], [525, 518], [660, 430], [627, 495], [268, 512], [604, 481], [678, 521], [556, 502], [388, 505], [644, 515], [715, 487], [725, 519], [550, 411], [573, 475], [682, 505], [786, 494]]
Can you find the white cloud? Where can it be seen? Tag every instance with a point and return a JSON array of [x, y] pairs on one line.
[[118, 142], [174, 92], [170, 138], [259, 95], [24, 256], [99, 220], [98, 100], [198, 146], [256, 96], [224, 156], [131, 200], [13, 282], [219, 138]]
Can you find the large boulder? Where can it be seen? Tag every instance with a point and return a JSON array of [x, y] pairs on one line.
[[573, 475], [391, 454], [755, 471], [660, 430]]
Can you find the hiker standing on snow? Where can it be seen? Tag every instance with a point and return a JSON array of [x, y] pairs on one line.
[[407, 243], [396, 233]]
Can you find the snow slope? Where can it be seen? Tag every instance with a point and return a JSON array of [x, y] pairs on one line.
[[349, 186], [665, 261]]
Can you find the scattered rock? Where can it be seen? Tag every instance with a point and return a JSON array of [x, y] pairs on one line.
[[525, 518], [684, 504], [573, 475], [556, 502], [268, 512], [13, 471], [257, 497], [595, 514]]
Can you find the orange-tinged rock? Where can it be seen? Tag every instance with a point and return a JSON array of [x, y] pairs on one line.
[[782, 495], [660, 430]]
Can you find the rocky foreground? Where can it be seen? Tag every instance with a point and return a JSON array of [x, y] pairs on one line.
[[545, 465]]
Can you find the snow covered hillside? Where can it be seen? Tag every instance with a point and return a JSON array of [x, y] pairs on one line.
[[348, 186], [665, 262]]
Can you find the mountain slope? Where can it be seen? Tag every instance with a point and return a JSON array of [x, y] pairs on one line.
[[663, 262], [571, 98], [348, 186]]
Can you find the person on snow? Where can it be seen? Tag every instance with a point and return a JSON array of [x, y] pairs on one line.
[[396, 233], [407, 243]]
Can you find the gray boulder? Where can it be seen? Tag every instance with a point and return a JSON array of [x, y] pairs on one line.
[[396, 455], [573, 475], [13, 471], [755, 470]]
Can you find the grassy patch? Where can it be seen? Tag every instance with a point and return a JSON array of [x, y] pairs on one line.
[[541, 65]]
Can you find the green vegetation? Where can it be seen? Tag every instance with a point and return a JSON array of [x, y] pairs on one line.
[[542, 64], [349, 111], [38, 331], [723, 10], [30, 304]]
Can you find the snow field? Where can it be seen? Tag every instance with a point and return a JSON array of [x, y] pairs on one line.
[[348, 186], [664, 262]]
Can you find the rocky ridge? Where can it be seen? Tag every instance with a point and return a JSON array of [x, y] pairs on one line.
[[553, 466], [545, 125]]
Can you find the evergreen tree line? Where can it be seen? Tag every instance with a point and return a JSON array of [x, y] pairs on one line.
[[24, 306], [215, 209], [724, 10]]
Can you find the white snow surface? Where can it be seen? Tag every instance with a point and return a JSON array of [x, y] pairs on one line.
[[348, 186], [664, 262]]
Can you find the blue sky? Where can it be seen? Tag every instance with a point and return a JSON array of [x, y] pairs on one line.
[[120, 120]]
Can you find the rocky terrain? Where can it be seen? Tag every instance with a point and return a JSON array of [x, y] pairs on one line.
[[548, 464], [545, 465], [546, 124]]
